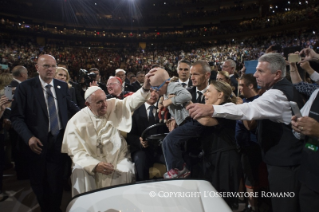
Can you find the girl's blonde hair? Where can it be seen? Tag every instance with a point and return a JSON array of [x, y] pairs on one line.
[[67, 75]]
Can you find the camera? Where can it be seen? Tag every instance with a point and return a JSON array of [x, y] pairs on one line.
[[88, 77]]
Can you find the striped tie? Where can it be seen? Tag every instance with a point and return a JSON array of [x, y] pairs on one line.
[[53, 116]]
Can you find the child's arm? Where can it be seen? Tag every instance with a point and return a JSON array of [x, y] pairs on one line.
[[181, 96], [168, 102], [208, 121]]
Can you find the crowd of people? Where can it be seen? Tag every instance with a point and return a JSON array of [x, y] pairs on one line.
[[212, 139], [78, 113], [272, 20], [134, 59]]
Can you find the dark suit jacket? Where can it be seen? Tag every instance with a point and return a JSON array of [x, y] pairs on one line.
[[128, 87], [192, 90], [136, 85], [103, 87], [29, 114], [139, 124], [190, 83], [14, 83], [127, 81], [78, 94], [234, 83]]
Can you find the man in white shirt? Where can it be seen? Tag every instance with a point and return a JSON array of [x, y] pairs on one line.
[[281, 150]]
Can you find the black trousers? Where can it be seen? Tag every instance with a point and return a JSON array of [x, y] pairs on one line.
[[144, 159], [309, 199], [284, 180], [46, 174]]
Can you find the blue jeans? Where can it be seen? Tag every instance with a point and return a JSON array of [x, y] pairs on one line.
[[175, 139]]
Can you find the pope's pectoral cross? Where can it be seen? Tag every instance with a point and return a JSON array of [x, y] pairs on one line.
[[100, 146]]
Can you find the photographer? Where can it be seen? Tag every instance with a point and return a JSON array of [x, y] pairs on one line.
[[98, 79]]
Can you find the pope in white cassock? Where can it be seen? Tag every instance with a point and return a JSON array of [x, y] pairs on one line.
[[99, 152]]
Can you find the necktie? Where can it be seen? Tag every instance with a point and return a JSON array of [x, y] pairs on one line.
[[151, 118], [54, 126], [199, 98], [184, 84]]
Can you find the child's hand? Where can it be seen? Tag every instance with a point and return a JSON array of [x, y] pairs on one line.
[[167, 102]]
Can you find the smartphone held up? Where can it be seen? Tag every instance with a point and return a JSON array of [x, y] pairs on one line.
[[8, 92]]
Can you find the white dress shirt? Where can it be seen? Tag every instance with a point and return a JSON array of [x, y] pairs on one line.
[[46, 100], [147, 106], [272, 105], [186, 82], [202, 91]]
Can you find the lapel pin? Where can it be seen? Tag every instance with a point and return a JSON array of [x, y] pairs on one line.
[[58, 86]]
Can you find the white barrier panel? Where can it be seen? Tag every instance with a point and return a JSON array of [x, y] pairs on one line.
[[159, 196]]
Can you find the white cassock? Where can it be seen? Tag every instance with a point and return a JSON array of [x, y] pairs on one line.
[[89, 140]]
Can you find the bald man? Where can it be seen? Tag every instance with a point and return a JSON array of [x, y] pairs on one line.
[[39, 115]]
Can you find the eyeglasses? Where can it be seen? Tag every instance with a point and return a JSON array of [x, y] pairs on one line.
[[156, 88], [111, 84]]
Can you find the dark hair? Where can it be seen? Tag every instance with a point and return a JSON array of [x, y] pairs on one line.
[[94, 69], [249, 79], [140, 72], [184, 61]]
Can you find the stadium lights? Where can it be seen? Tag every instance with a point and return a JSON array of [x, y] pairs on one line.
[[300, 2], [288, 2], [314, 32]]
